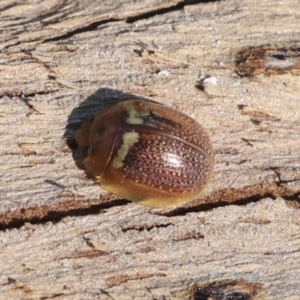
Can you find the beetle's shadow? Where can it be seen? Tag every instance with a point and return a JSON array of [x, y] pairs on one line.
[[86, 111]]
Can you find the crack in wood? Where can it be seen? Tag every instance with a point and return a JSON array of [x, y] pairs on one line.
[[146, 227], [14, 93], [163, 10], [117, 280], [89, 27], [54, 213], [76, 207], [129, 19]]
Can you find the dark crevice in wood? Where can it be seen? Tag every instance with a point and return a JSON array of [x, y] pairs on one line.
[[181, 211], [146, 228], [7, 6], [82, 207], [17, 219], [58, 12], [163, 10], [295, 197], [130, 19], [19, 94], [90, 27], [43, 214], [31, 108]]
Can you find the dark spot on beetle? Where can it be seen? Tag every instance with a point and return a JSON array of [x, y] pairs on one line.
[[155, 118]]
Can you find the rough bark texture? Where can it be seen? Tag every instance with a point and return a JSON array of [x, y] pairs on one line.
[[232, 65]]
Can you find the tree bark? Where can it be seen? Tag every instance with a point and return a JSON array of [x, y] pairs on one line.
[[232, 65]]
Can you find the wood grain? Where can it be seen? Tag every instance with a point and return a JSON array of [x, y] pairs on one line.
[[62, 236]]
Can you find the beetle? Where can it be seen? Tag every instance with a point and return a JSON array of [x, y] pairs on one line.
[[147, 152]]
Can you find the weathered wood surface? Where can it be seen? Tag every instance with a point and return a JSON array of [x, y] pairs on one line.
[[63, 237]]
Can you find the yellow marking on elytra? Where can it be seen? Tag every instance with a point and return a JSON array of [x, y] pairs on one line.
[[129, 139], [135, 117], [98, 179]]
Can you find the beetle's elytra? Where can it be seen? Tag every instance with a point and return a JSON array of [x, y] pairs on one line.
[[147, 152]]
